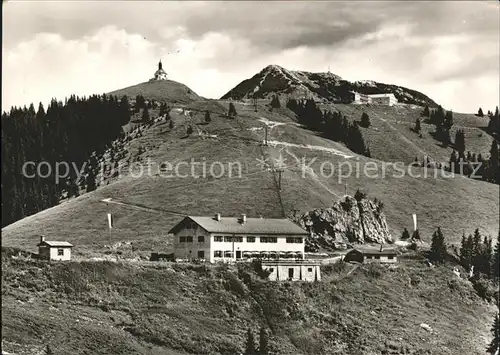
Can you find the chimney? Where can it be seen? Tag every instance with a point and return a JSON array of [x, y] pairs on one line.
[[217, 217], [42, 239], [243, 218]]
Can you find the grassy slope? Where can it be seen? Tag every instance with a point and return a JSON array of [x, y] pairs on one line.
[[390, 139], [159, 90], [82, 221], [142, 308]]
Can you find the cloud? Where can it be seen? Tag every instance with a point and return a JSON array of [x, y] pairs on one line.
[[449, 51]]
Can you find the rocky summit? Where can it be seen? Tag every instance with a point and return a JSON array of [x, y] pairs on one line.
[[348, 221]]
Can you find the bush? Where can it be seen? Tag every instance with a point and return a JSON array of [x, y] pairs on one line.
[[365, 120], [359, 195]]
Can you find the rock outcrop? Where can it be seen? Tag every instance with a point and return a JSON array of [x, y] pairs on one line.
[[348, 221]]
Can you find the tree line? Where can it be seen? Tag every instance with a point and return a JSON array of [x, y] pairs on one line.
[[333, 125], [76, 132], [478, 256]]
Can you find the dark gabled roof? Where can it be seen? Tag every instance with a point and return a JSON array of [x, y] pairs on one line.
[[53, 243], [367, 250], [232, 225]]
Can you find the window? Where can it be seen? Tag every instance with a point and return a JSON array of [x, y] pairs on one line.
[[390, 257], [60, 252], [189, 239], [201, 254], [250, 239], [182, 239], [268, 240], [201, 239], [377, 257], [218, 254], [297, 240], [309, 269], [233, 239], [228, 254], [271, 269], [218, 238]]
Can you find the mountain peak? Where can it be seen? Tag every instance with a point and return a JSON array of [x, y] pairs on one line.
[[327, 87]]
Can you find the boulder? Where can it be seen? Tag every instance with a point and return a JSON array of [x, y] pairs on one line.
[[348, 221]]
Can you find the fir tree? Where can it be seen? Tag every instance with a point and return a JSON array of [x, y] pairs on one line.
[[250, 343], [460, 141], [171, 124], [426, 112], [365, 120], [417, 126], [416, 235], [493, 166], [145, 114], [466, 251], [263, 342], [438, 247], [495, 260], [90, 181], [480, 112], [448, 120], [207, 117], [495, 342], [189, 130], [232, 111], [275, 102], [406, 235]]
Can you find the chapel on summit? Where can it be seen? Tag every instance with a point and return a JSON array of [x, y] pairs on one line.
[[160, 74]]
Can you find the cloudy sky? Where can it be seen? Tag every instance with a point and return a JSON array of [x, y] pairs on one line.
[[447, 50]]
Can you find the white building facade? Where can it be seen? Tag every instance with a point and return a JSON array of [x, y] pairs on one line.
[[376, 99], [54, 250], [229, 239], [298, 270], [160, 74]]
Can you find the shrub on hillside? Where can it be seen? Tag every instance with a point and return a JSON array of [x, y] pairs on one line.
[[373, 271], [485, 288], [365, 120]]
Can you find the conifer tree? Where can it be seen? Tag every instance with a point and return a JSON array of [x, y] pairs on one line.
[[365, 120], [448, 120], [417, 126], [460, 141], [495, 260], [480, 112], [250, 343], [189, 130], [207, 117], [495, 342], [466, 252], [426, 112], [493, 166], [263, 342], [145, 114], [416, 235], [406, 234], [171, 124], [232, 111], [438, 247], [275, 102]]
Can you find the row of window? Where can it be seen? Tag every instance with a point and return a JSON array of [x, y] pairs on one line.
[[189, 239], [390, 257], [219, 238]]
